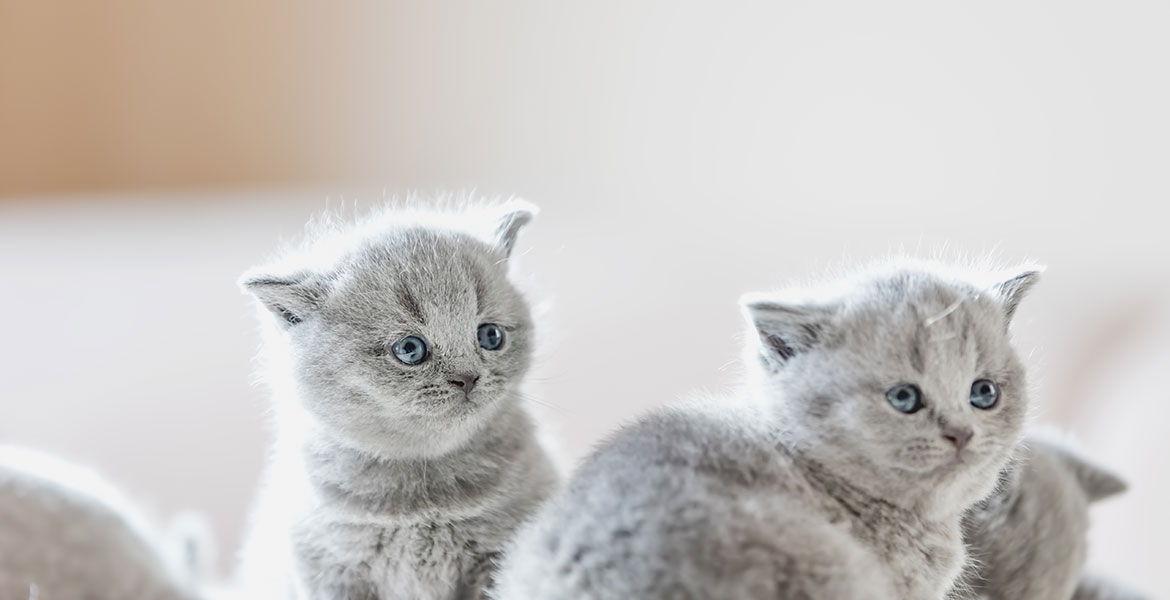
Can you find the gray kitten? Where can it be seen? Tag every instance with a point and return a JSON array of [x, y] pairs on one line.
[[1029, 539], [66, 533], [879, 410], [404, 458]]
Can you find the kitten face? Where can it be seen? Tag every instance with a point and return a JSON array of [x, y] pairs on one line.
[[437, 288], [830, 366], [433, 286]]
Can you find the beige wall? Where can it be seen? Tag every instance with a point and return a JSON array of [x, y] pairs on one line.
[[119, 94]]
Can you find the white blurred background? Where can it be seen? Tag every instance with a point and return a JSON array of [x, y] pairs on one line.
[[683, 153]]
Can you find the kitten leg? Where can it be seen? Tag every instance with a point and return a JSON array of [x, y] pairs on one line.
[[478, 577], [323, 579], [326, 587]]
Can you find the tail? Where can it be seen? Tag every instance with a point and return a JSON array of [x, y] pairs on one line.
[[1097, 481]]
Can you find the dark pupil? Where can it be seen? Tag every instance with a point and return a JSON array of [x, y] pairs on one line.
[[984, 389], [408, 347], [903, 395], [490, 337]]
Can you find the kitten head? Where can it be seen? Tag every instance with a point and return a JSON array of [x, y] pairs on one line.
[[403, 335], [901, 380]]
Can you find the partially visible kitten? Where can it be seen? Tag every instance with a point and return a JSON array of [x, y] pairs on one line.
[[1029, 539], [404, 458], [65, 533], [885, 407], [1096, 587]]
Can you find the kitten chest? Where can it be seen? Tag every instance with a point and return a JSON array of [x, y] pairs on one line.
[[925, 561], [423, 560]]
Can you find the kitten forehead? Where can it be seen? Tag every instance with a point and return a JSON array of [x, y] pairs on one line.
[[422, 273], [332, 238], [888, 285], [421, 255], [921, 302], [928, 319], [897, 276]]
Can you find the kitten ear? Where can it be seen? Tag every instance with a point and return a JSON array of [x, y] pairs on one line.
[[290, 297], [1097, 482], [785, 329], [1010, 291], [512, 216]]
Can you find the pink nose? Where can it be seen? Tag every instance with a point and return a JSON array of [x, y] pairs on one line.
[[958, 437], [466, 381]]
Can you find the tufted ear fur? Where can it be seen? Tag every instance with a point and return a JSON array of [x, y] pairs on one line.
[[292, 298], [786, 329], [513, 215], [1010, 291]]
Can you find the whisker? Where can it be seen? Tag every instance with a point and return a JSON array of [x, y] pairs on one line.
[[542, 403], [945, 313]]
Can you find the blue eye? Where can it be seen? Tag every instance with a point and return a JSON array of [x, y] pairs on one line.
[[411, 349], [905, 398], [490, 336], [984, 394]]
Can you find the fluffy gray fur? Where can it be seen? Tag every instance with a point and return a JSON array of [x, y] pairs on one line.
[[66, 533], [388, 480], [816, 487], [1029, 539]]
